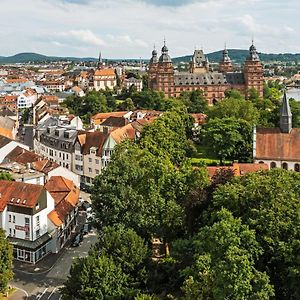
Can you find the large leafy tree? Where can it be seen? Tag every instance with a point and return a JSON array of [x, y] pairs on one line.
[[6, 259], [94, 277], [194, 101], [269, 203], [224, 263], [236, 108], [228, 138], [113, 269]]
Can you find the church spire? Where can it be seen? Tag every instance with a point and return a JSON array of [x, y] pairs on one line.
[[100, 61], [285, 115]]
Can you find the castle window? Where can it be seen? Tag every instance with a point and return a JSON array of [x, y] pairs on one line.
[[297, 167], [285, 166]]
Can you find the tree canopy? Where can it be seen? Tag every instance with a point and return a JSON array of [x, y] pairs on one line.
[[6, 260]]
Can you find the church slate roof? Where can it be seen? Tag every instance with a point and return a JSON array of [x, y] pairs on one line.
[[209, 78]]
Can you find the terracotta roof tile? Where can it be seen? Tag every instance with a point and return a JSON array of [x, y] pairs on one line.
[[105, 72], [272, 144], [19, 194], [123, 133]]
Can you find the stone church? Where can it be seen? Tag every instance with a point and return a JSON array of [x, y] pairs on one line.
[[162, 76], [278, 147]]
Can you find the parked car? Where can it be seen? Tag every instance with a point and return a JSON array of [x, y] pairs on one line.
[[77, 240], [86, 228], [86, 205]]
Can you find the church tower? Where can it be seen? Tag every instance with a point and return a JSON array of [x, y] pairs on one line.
[[253, 71], [100, 61], [165, 72], [225, 65], [285, 115], [152, 72]]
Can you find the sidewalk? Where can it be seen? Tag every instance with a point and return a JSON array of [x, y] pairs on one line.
[[48, 262], [42, 266]]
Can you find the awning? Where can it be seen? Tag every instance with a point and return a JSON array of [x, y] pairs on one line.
[[30, 245]]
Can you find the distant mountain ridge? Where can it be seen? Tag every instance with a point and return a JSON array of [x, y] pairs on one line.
[[236, 55]]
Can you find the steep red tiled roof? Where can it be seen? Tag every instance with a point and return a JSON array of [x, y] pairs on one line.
[[125, 132], [109, 114], [21, 156], [66, 197], [19, 194], [272, 144], [105, 72], [92, 139], [238, 169]]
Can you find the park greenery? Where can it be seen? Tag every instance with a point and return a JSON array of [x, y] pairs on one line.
[[223, 237]]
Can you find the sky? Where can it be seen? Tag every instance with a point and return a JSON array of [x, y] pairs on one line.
[[130, 28]]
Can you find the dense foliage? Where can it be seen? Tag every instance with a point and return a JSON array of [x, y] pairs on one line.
[[222, 238], [6, 260]]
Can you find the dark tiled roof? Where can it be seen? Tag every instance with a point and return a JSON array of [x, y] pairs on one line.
[[235, 78], [4, 141], [21, 156], [209, 78], [114, 122], [94, 139]]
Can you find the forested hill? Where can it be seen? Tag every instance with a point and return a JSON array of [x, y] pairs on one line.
[[238, 55]]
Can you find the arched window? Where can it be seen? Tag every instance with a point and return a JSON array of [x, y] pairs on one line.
[[261, 162], [285, 166], [273, 164], [297, 167]]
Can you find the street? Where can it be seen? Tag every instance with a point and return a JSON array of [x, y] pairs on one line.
[[44, 284], [27, 137]]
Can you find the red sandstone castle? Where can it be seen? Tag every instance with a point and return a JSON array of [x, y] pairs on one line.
[[162, 76]]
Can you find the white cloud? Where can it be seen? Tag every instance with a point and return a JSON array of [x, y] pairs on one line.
[[129, 28]]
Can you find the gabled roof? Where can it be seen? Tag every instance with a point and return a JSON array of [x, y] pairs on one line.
[[113, 121], [19, 194], [4, 140], [238, 169], [109, 114], [21, 156], [93, 139], [66, 197], [272, 144], [123, 133], [105, 72], [45, 165]]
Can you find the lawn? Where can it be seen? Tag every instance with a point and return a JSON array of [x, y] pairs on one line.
[[205, 157]]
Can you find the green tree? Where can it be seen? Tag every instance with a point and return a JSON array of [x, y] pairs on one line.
[[295, 108], [6, 176], [96, 278], [228, 138], [236, 108], [128, 250], [6, 262], [224, 263], [269, 202], [194, 101]]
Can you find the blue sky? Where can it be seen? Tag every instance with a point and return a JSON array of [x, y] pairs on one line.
[[129, 28]]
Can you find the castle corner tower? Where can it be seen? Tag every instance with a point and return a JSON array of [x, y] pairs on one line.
[[253, 71], [225, 65], [165, 73]]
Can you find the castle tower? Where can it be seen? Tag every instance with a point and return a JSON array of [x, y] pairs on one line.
[[152, 72], [285, 115], [225, 65], [199, 63], [253, 71], [165, 73]]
